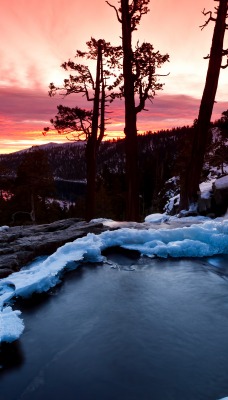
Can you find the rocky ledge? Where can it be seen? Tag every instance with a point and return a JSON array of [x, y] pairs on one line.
[[20, 245]]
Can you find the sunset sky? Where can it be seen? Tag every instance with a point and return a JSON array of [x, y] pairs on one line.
[[37, 36]]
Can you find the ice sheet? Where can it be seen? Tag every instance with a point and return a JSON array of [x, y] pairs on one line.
[[202, 240]]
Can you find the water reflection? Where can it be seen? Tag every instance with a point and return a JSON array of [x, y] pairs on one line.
[[150, 329], [219, 261]]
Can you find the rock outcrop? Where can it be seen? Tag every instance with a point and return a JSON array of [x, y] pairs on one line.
[[214, 201], [20, 245], [220, 194]]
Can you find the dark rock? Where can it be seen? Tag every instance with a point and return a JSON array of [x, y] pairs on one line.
[[22, 244], [220, 195], [9, 261], [4, 272], [204, 205]]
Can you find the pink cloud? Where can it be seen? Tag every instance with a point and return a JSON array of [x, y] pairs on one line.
[[38, 36], [169, 111], [24, 111]]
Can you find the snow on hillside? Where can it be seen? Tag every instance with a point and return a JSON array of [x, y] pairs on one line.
[[206, 189], [198, 240]]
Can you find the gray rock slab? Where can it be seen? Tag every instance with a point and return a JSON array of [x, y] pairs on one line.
[[20, 245]]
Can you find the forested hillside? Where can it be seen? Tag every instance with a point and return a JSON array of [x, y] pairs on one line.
[[163, 157]]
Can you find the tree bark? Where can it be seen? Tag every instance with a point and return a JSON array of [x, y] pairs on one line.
[[91, 146], [132, 209], [190, 188]]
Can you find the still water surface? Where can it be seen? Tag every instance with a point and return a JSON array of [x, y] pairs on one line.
[[144, 330]]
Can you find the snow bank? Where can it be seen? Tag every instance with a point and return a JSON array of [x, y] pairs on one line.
[[201, 240], [157, 218], [205, 239], [170, 219]]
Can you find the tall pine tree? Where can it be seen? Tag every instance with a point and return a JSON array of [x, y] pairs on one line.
[[88, 123], [139, 79], [190, 187]]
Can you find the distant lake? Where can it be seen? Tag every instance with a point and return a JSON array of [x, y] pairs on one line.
[[147, 329], [69, 189]]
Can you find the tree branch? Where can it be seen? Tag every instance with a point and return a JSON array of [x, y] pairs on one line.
[[225, 65], [117, 14], [208, 20], [138, 8], [134, 8], [225, 53]]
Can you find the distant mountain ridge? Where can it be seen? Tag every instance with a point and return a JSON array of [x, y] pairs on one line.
[[162, 159], [66, 160]]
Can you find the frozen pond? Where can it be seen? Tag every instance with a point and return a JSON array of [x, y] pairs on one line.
[[147, 329]]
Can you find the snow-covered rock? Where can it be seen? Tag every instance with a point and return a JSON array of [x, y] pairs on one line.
[[156, 218]]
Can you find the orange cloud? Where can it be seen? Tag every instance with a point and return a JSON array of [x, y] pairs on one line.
[[24, 114]]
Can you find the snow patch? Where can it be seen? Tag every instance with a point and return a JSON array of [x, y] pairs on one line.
[[156, 218], [11, 326], [172, 202], [206, 189]]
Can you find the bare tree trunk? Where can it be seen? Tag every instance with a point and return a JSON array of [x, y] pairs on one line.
[[190, 187], [102, 109], [32, 213], [91, 146], [132, 212], [91, 178]]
